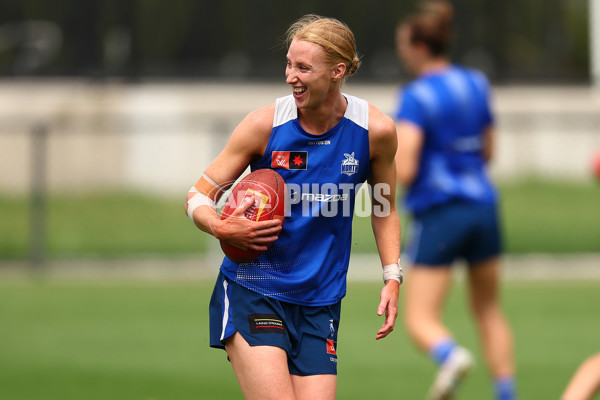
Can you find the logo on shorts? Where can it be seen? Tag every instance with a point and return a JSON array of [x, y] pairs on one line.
[[265, 323], [331, 347], [331, 343]]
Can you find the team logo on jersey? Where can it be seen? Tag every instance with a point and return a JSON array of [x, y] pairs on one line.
[[349, 165], [289, 159]]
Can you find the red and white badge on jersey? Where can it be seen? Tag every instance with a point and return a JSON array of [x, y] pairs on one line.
[[289, 159]]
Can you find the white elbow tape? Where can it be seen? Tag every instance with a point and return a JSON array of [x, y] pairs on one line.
[[393, 271], [197, 200]]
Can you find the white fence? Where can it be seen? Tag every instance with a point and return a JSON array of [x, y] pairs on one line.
[[160, 136]]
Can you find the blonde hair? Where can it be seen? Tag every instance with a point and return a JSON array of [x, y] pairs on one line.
[[334, 36]]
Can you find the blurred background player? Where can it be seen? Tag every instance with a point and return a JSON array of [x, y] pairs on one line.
[[278, 317], [585, 383], [445, 139]]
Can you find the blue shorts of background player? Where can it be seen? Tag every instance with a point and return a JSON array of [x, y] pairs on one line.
[[307, 334], [455, 230]]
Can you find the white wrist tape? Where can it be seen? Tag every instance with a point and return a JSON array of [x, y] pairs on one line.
[[197, 200], [393, 271]]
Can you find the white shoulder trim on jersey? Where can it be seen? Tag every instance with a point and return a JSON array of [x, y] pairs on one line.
[[285, 110], [357, 111]]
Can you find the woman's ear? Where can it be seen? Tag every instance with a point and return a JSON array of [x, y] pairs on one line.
[[338, 71]]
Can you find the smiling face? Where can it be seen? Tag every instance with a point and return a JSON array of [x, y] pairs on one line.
[[311, 79]]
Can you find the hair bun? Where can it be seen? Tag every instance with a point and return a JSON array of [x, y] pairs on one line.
[[440, 9], [353, 66]]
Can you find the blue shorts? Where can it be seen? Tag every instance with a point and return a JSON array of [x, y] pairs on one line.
[[455, 230], [307, 334]]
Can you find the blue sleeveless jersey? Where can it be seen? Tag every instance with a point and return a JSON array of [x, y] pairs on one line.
[[308, 264], [452, 109]]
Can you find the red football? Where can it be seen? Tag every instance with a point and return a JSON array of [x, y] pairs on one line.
[[596, 165], [267, 188]]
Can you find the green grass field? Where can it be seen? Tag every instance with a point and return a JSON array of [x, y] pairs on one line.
[[149, 340], [539, 216]]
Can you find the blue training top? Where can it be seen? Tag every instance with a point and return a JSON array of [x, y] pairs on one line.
[[451, 107], [308, 264]]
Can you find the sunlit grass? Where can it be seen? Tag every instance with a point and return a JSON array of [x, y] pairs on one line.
[[149, 340], [538, 216]]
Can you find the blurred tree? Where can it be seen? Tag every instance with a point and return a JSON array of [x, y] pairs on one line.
[[512, 40]]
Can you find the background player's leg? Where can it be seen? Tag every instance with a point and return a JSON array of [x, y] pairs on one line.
[[494, 330], [262, 371], [321, 387], [424, 296], [425, 292]]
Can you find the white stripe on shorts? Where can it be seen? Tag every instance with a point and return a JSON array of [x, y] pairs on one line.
[[226, 312]]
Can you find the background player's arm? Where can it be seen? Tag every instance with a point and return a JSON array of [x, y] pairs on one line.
[[410, 143], [488, 143], [384, 217], [247, 142]]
